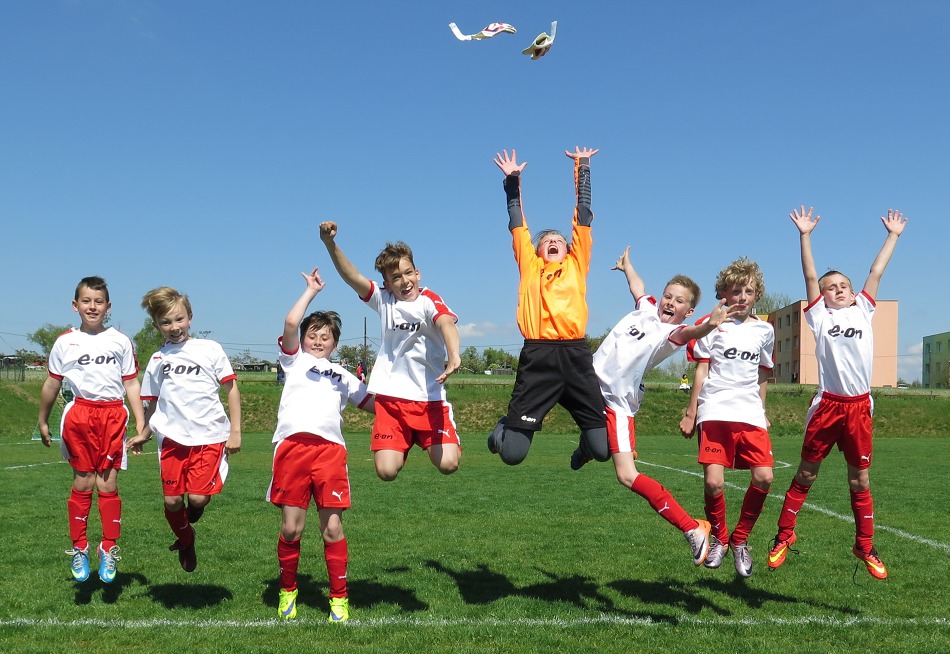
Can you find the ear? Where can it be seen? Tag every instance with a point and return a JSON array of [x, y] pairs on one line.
[[75, 306], [689, 312]]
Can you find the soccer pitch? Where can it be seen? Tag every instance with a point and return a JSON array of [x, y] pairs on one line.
[[534, 558]]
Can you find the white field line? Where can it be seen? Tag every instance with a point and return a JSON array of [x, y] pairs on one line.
[[814, 507], [438, 623]]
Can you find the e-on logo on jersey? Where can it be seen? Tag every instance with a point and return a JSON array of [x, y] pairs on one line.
[[849, 332], [335, 376], [636, 333], [85, 359], [742, 355], [181, 369], [406, 326]]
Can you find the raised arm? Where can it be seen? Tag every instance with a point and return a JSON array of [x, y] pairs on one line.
[[581, 157], [634, 281], [803, 221], [512, 169], [718, 316], [291, 338], [350, 274], [894, 223]]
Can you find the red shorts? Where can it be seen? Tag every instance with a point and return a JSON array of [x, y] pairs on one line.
[[621, 432], [193, 469], [94, 435], [307, 466], [842, 421], [734, 445], [400, 423]]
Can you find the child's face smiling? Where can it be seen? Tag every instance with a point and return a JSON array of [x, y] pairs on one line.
[[92, 308], [319, 342], [174, 325], [403, 281], [675, 305]]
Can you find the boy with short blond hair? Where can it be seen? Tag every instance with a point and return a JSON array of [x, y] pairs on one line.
[[840, 413], [99, 365], [727, 405], [419, 351]]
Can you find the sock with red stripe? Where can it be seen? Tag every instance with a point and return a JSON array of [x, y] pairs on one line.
[[862, 505], [788, 518], [288, 556], [337, 557], [716, 515], [78, 507], [662, 502], [110, 514], [178, 521], [752, 505]]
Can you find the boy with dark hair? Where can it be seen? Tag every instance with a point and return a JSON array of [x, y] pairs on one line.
[[99, 365], [840, 413], [420, 349]]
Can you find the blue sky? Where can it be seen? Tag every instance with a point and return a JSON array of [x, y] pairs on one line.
[[199, 144]]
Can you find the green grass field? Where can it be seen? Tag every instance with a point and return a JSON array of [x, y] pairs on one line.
[[534, 558]]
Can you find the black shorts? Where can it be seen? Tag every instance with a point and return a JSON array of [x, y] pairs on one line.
[[556, 372]]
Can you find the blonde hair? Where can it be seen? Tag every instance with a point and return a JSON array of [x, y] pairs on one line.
[[740, 272], [163, 300]]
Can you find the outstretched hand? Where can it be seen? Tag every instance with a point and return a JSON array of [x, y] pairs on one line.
[[581, 153], [623, 261], [722, 313], [509, 164], [314, 282], [894, 222], [803, 220]]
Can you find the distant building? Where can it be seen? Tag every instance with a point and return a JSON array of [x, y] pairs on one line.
[[936, 354], [794, 354]]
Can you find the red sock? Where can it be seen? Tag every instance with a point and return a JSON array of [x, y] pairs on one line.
[[862, 505], [77, 507], [716, 515], [752, 505], [110, 514], [178, 521], [662, 502], [288, 556], [788, 518], [337, 558]]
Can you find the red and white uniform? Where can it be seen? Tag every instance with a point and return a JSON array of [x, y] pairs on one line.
[[315, 393], [412, 354], [94, 365], [185, 379], [844, 345], [638, 343], [735, 351]]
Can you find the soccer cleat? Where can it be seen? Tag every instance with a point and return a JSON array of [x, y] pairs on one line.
[[494, 436], [187, 557], [107, 563], [743, 559], [80, 563], [579, 459], [287, 604], [698, 540], [872, 561], [717, 552], [780, 548], [339, 609]]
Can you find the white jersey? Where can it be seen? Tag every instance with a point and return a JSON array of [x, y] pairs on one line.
[[413, 352], [636, 344], [735, 352], [315, 393], [844, 345], [185, 379], [94, 365]]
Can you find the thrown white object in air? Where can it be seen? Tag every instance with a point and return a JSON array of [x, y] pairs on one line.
[[542, 43], [487, 33]]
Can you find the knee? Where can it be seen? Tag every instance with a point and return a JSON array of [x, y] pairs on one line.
[[594, 443], [763, 479], [290, 533], [174, 503], [626, 477], [514, 445], [448, 467], [386, 474], [713, 488], [199, 501]]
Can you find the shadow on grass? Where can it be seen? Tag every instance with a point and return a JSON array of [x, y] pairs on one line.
[[110, 592], [756, 598], [482, 586], [362, 593], [667, 592], [189, 596]]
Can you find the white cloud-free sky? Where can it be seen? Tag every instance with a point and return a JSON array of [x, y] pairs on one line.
[[199, 144]]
